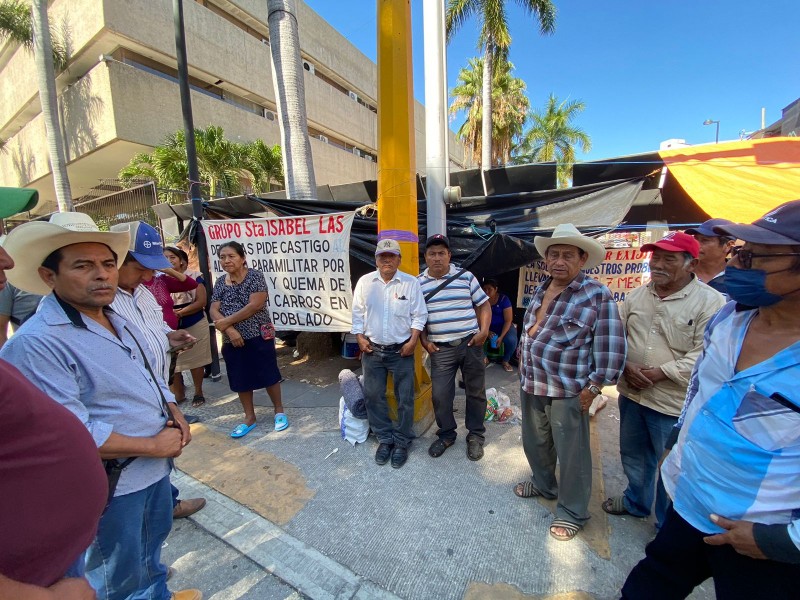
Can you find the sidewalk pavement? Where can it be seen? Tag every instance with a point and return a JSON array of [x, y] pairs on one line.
[[303, 508]]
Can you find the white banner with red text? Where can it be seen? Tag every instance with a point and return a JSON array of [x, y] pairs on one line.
[[305, 260], [622, 271]]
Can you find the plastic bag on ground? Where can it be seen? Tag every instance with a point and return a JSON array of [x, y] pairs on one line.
[[354, 430]]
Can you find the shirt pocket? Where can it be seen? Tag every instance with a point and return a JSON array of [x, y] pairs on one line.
[[679, 336], [770, 422], [571, 331]]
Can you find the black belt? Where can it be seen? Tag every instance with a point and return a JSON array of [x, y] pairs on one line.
[[455, 343], [388, 347]]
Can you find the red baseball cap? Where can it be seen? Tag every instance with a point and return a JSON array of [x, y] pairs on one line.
[[675, 241]]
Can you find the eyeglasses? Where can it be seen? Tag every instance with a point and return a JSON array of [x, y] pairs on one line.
[[746, 256]]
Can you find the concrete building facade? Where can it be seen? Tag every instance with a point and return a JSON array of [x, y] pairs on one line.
[[119, 94]]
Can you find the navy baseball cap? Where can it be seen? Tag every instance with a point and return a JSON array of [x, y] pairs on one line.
[[146, 245], [437, 238], [780, 227], [707, 228]]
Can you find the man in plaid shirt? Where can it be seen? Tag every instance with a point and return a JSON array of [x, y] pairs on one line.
[[573, 343]]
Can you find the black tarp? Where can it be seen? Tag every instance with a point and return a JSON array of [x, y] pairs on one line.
[[490, 235]]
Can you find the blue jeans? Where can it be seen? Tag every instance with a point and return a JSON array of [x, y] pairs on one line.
[[376, 367], [124, 561], [643, 434]]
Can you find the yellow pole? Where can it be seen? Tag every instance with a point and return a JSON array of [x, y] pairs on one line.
[[397, 189]]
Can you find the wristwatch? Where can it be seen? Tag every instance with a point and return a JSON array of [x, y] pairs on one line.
[[594, 389]]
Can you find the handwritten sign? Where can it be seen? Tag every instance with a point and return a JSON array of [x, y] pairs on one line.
[[305, 261], [623, 270]]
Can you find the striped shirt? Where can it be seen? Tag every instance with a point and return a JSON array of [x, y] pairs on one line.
[[451, 311], [738, 451], [580, 339], [142, 309], [101, 378]]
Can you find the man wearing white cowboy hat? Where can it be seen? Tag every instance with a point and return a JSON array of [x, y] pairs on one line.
[[573, 343], [89, 359]]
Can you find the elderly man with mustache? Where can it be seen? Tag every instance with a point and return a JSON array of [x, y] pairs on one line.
[[664, 322]]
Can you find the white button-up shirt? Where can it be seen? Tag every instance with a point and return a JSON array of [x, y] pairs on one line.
[[386, 312]]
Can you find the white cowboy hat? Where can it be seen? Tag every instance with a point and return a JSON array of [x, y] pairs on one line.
[[568, 234], [30, 243]]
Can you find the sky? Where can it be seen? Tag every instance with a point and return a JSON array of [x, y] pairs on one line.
[[647, 70]]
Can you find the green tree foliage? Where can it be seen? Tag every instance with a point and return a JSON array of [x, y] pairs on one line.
[[510, 109], [226, 168], [16, 25], [494, 40], [552, 136]]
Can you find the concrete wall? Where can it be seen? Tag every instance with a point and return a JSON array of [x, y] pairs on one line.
[[88, 122], [107, 102]]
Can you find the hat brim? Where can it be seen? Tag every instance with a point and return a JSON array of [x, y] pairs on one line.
[[756, 235], [595, 250], [661, 245], [395, 252], [30, 243], [701, 231], [151, 261]]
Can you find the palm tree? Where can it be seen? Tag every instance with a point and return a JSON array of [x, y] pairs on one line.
[[510, 109], [29, 26], [495, 40], [223, 164], [16, 25], [287, 75], [45, 74], [553, 137], [264, 164]]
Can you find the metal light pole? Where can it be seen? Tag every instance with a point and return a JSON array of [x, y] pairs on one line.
[[194, 173], [709, 122]]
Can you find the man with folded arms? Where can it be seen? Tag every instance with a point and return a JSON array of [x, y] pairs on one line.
[[664, 324], [388, 316]]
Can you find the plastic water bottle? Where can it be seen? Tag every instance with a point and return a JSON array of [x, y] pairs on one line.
[[493, 341]]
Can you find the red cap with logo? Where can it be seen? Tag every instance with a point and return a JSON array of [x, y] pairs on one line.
[[675, 241]]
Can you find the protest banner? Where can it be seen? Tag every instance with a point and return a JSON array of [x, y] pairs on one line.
[[623, 270], [305, 260]]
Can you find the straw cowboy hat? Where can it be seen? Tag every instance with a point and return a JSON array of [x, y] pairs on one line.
[[568, 234], [30, 243]]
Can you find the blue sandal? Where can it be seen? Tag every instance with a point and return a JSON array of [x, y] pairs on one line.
[[242, 430], [281, 422]]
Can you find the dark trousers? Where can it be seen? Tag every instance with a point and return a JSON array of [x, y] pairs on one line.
[[444, 365], [376, 367], [678, 560]]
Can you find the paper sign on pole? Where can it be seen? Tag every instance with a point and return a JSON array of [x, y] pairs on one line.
[[622, 271], [305, 261]]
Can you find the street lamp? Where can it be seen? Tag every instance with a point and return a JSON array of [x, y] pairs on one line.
[[710, 122]]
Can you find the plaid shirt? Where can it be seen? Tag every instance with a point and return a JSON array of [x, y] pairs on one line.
[[581, 339]]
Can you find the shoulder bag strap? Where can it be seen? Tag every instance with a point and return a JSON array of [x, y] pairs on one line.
[[444, 284]]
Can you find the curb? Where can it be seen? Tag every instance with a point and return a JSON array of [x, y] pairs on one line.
[[287, 558]]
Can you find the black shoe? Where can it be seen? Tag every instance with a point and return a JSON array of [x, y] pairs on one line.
[[439, 446], [384, 453], [399, 457], [474, 449]]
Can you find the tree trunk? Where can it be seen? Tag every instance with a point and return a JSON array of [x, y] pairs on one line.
[[45, 71], [486, 123], [287, 76]]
